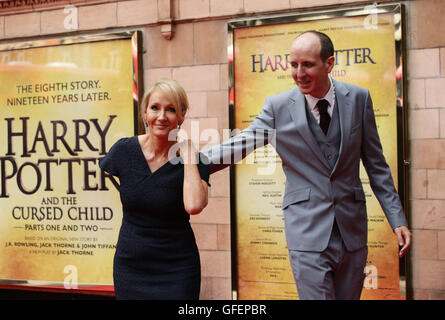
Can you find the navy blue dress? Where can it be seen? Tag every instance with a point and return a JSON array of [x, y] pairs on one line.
[[156, 254]]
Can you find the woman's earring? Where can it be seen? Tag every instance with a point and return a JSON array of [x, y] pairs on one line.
[[146, 124], [178, 129]]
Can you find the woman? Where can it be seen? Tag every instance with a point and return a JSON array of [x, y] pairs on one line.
[[156, 255]]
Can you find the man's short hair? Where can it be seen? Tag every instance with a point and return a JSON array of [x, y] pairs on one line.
[[327, 47]]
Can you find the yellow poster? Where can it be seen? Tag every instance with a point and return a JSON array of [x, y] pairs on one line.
[[365, 56], [61, 108]]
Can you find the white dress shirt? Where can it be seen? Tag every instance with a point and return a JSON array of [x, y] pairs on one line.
[[329, 97]]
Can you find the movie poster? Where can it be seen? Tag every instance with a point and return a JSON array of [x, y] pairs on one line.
[[62, 106], [365, 56]]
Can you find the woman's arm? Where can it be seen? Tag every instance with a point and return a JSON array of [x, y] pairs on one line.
[[195, 189]]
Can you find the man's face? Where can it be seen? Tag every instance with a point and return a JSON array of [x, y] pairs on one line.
[[309, 71]]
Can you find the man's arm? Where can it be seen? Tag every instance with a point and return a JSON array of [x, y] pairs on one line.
[[380, 178], [259, 133]]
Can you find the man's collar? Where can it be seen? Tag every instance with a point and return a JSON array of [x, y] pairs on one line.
[[329, 96]]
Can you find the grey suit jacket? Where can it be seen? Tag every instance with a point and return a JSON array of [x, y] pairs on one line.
[[315, 193]]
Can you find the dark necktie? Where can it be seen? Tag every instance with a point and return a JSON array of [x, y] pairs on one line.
[[322, 106]]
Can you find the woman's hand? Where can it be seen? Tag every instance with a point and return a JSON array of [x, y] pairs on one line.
[[195, 190], [188, 152]]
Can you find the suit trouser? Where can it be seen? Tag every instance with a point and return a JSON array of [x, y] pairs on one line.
[[332, 274]]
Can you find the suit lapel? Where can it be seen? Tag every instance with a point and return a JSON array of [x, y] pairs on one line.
[[344, 105], [297, 109]]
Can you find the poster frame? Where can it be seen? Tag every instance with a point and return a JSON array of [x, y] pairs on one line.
[[135, 36], [401, 104]]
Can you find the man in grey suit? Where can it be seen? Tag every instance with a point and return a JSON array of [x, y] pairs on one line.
[[321, 144]]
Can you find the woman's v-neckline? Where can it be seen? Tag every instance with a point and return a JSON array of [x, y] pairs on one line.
[[147, 166]]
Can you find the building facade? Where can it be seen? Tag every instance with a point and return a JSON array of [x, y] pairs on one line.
[[187, 40]]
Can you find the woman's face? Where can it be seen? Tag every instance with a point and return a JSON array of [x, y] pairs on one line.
[[161, 115]]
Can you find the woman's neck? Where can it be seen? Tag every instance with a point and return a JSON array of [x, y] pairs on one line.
[[156, 148]]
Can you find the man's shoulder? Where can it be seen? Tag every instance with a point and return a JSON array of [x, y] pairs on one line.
[[285, 95], [350, 87]]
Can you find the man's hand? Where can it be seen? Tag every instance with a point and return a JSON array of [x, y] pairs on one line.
[[404, 238]]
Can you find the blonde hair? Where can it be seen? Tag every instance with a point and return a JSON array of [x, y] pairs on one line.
[[175, 93]]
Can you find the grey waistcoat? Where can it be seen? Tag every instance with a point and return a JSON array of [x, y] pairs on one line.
[[330, 143]]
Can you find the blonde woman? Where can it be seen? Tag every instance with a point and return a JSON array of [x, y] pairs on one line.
[[156, 255]]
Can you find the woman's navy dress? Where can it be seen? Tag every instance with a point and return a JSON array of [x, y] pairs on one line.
[[156, 255]]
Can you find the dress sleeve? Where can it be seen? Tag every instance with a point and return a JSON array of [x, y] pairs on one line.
[[112, 162], [204, 168]]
